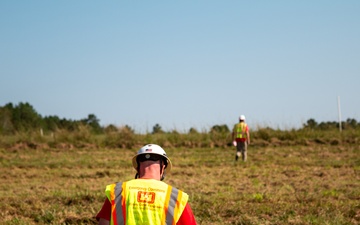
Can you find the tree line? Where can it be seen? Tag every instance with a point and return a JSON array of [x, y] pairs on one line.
[[24, 118]]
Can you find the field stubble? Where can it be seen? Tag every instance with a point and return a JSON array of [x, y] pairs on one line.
[[317, 184]]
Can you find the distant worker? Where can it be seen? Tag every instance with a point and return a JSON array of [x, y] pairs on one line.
[[241, 138], [146, 200]]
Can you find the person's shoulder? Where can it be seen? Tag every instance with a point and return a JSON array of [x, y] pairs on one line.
[[131, 181], [177, 189], [183, 193], [116, 183]]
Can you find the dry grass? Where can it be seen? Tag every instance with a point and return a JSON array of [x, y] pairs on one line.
[[316, 184]]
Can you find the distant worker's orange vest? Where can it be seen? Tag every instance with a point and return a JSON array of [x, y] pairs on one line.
[[145, 201]]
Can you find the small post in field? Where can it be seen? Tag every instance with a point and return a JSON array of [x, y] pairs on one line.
[[340, 128]]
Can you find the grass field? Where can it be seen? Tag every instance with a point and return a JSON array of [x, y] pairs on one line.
[[314, 184]]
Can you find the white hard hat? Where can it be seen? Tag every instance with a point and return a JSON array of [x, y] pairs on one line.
[[152, 149], [242, 117]]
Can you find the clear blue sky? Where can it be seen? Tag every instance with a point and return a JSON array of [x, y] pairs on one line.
[[183, 64]]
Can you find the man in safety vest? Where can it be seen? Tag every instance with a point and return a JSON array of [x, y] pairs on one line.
[[241, 138], [146, 200]]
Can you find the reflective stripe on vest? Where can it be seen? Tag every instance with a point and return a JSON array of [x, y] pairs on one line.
[[241, 130], [174, 204], [113, 192]]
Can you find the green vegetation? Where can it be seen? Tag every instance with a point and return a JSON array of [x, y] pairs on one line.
[[54, 171], [22, 127], [316, 184]]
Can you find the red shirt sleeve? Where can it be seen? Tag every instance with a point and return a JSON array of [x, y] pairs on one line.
[[105, 211], [187, 217]]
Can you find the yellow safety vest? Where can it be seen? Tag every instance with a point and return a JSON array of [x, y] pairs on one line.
[[145, 202], [240, 130]]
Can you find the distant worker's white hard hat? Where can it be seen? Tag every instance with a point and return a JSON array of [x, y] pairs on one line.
[[242, 117], [152, 149]]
